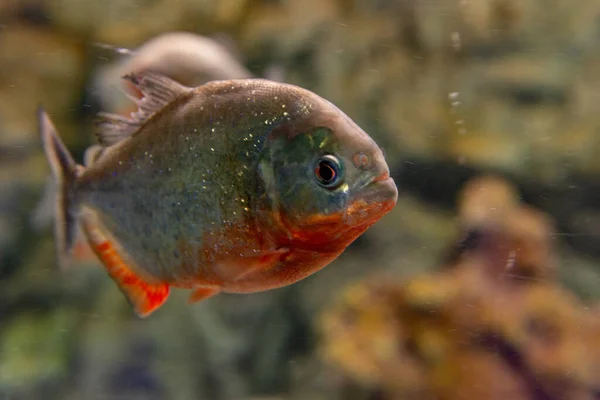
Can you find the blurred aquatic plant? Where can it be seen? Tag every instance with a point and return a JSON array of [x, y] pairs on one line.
[[493, 323]]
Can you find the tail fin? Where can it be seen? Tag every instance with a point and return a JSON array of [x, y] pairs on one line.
[[65, 172]]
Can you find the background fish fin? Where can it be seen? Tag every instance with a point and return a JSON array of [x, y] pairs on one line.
[[157, 92], [143, 296], [203, 293], [92, 154], [65, 172]]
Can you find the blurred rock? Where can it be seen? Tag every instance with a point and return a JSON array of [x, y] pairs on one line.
[[38, 67], [130, 22], [493, 324], [369, 346], [490, 211]]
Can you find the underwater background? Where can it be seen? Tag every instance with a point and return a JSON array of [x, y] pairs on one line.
[[482, 283]]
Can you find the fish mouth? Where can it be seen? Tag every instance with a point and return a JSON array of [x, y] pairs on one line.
[[382, 189], [374, 200], [381, 177]]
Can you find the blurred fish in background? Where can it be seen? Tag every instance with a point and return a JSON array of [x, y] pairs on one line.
[[187, 58]]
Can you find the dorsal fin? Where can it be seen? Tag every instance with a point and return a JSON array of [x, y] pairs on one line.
[[157, 91]]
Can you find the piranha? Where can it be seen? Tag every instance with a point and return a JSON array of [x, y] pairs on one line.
[[235, 186]]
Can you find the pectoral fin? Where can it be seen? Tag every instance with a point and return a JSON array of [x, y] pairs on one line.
[[203, 293], [143, 296], [241, 267]]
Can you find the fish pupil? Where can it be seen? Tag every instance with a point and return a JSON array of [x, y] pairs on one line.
[[327, 171]]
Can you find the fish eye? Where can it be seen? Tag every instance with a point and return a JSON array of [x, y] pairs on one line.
[[328, 171]]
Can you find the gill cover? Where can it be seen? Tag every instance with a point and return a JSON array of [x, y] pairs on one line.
[[306, 181]]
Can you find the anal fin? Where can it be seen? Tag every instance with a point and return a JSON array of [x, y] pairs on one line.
[[143, 296]]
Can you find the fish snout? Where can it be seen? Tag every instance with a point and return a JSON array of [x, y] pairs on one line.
[[382, 190]]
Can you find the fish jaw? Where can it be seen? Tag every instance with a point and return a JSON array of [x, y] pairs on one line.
[[373, 201]]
